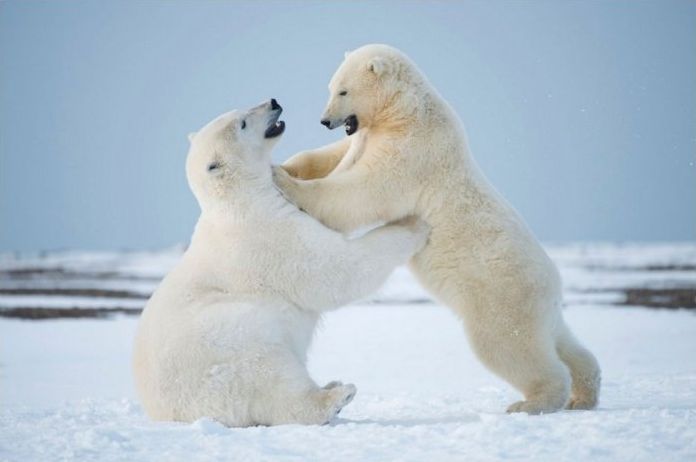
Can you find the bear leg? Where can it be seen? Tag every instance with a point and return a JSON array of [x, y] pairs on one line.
[[321, 405], [545, 385], [530, 364], [285, 394], [584, 371]]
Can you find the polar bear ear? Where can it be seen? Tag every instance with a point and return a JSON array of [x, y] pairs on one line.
[[190, 136], [380, 66]]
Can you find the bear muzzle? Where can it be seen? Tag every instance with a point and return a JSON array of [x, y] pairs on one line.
[[275, 127], [351, 123]]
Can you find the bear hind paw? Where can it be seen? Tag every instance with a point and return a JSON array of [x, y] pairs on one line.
[[532, 407]]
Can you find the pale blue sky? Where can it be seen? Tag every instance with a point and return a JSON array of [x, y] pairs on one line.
[[583, 114]]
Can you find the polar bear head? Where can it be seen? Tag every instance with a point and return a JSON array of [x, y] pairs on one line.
[[233, 151], [369, 86]]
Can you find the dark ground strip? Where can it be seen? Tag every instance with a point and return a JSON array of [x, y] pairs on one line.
[[661, 298], [621, 268], [675, 298], [651, 297], [58, 313], [77, 292], [61, 273]]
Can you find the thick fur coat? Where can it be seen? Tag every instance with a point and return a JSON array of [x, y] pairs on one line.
[[226, 333], [407, 154]]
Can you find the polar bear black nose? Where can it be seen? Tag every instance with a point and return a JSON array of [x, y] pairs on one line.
[[274, 104], [326, 123]]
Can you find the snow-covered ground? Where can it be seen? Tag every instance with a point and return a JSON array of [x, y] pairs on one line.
[[71, 283], [66, 390]]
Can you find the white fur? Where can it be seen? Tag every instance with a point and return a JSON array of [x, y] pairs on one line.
[[410, 156], [226, 333]]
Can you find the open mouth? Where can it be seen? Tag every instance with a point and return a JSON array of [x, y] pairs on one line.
[[275, 127], [351, 123]]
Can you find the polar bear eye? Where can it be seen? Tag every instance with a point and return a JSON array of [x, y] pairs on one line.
[[213, 166], [343, 93], [243, 124]]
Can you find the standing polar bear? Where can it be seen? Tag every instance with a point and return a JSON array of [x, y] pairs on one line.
[[406, 154], [226, 333]]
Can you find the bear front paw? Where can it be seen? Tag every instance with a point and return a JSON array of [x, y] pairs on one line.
[[283, 180]]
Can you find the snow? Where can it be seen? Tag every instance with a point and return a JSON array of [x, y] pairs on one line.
[[627, 255], [67, 395], [592, 272], [66, 389]]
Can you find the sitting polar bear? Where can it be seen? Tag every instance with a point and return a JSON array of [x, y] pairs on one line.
[[226, 333], [406, 154]]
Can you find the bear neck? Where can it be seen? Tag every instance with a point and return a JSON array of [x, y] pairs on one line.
[[254, 199], [409, 102]]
